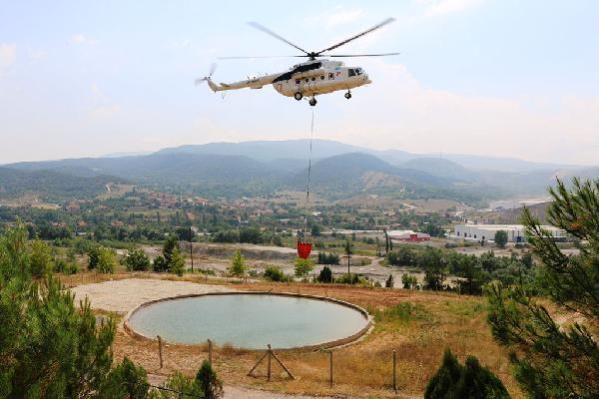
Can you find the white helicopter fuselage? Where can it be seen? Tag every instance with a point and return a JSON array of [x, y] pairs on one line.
[[305, 80]]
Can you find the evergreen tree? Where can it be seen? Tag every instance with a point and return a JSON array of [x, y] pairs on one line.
[[169, 247], [93, 257], [177, 265], [501, 238], [209, 381], [238, 267], [326, 275], [551, 359], [48, 347], [41, 258]]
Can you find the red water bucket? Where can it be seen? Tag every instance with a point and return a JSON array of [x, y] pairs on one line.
[[304, 249]]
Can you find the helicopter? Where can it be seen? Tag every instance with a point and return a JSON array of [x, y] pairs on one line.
[[307, 79]]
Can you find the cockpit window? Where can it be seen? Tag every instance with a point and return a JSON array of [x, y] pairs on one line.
[[351, 72], [358, 71]]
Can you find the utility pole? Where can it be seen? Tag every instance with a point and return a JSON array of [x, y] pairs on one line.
[[191, 246]]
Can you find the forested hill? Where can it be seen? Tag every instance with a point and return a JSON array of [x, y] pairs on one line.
[[51, 185]]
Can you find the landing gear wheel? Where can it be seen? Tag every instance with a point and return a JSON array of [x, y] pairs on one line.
[[348, 95], [313, 101], [298, 96]]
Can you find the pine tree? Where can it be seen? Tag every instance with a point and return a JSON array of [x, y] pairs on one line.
[[48, 347], [237, 267], [550, 359], [177, 265], [209, 381]]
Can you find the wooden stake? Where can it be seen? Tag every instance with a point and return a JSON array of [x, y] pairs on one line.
[[395, 371], [160, 349], [274, 355], [210, 352], [268, 364], [258, 363], [331, 369]]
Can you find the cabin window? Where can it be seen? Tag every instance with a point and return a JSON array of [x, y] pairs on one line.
[[307, 80], [313, 79], [297, 81], [351, 72], [322, 77], [331, 76]]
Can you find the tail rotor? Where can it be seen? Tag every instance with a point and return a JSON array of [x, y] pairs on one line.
[[208, 77]]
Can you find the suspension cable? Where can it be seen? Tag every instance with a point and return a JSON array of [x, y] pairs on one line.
[[309, 177]]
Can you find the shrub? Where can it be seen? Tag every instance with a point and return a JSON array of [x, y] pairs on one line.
[[274, 273], [325, 275], [159, 265], [351, 278], [238, 267], [106, 260], [303, 267], [136, 260], [178, 382], [409, 281], [328, 258], [453, 380]]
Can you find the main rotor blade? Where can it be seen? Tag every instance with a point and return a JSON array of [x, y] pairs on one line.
[[358, 55], [260, 56], [380, 25], [273, 34]]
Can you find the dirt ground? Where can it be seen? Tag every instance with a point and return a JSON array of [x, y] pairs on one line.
[[123, 295], [434, 322]]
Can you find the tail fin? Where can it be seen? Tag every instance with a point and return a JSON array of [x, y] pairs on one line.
[[213, 85]]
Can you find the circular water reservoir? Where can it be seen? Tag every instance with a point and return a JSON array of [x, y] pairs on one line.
[[249, 320]]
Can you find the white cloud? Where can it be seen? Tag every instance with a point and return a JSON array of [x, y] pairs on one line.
[[8, 55], [80, 39], [442, 7]]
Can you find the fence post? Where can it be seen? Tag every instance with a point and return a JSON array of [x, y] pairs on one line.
[[210, 352], [331, 368], [268, 362], [160, 349], [395, 370]]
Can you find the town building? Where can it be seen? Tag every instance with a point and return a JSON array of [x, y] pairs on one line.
[[408, 236], [516, 233]]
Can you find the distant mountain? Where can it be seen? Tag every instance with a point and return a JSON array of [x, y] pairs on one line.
[[262, 167], [440, 167], [298, 149], [51, 185], [266, 151]]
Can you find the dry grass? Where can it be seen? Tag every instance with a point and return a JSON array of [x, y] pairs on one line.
[[419, 332]]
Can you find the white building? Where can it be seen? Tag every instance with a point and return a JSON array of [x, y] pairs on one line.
[[515, 232]]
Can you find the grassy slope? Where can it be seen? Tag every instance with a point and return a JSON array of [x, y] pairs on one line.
[[419, 332]]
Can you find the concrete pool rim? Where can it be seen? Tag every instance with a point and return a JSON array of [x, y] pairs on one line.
[[323, 345]]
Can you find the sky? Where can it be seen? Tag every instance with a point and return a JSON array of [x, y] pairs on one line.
[[488, 77]]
